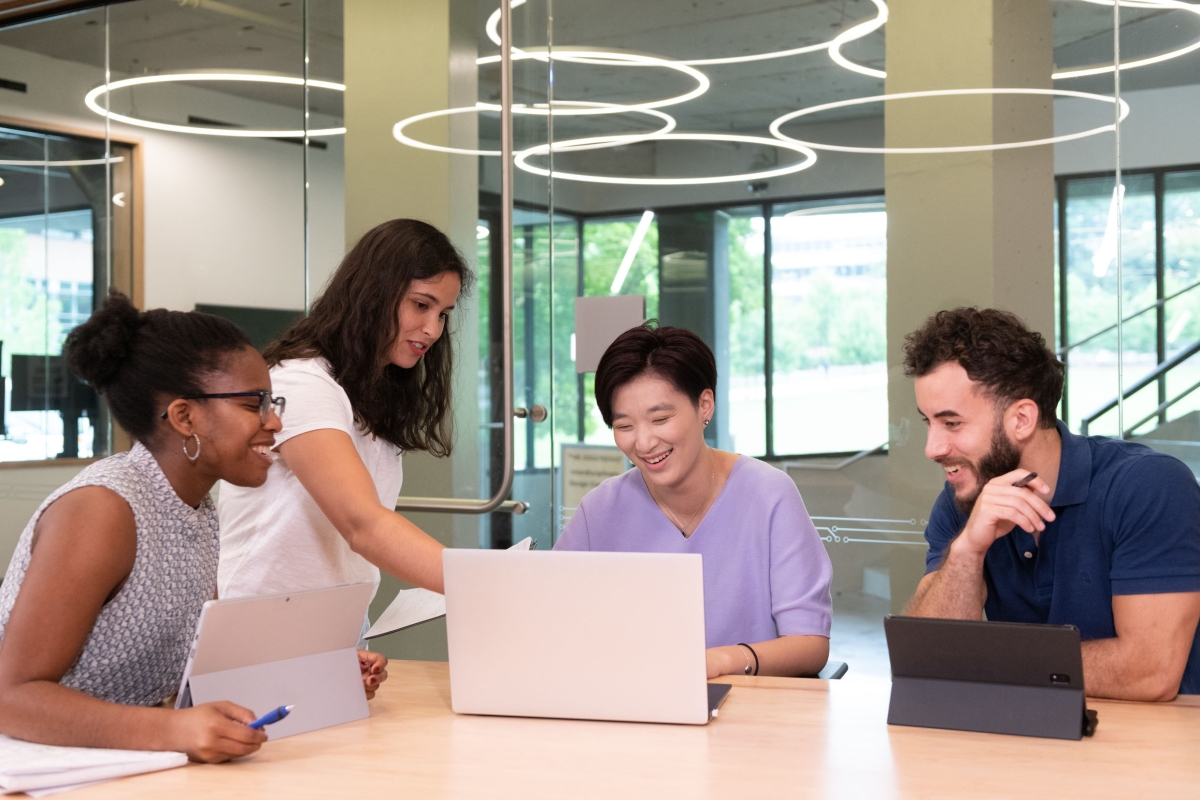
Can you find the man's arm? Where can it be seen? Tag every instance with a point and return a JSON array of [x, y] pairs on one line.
[[956, 590], [1147, 657]]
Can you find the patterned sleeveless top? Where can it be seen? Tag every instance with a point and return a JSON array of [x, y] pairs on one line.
[[136, 651]]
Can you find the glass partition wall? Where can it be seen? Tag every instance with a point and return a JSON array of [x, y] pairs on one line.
[[788, 180]]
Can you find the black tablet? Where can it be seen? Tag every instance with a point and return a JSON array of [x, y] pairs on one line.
[[993, 677]]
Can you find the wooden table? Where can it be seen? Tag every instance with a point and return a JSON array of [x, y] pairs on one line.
[[775, 737]]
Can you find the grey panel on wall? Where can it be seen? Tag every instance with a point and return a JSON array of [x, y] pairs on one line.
[[262, 325], [600, 320]]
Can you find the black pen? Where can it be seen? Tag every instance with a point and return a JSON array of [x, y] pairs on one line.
[[1021, 484]]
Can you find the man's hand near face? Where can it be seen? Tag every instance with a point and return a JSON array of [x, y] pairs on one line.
[[956, 590]]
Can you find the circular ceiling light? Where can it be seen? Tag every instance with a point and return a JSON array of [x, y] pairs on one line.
[[493, 33], [858, 32], [1141, 62], [974, 148], [539, 110], [611, 58], [235, 77], [841, 208], [74, 162], [579, 144]]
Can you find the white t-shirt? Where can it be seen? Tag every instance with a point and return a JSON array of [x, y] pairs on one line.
[[275, 538]]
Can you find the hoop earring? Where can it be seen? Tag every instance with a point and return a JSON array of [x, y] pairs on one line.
[[191, 457]]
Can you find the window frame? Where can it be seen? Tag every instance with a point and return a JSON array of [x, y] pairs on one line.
[[130, 279]]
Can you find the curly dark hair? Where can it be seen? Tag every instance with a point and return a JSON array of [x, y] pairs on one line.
[[138, 358], [997, 350], [675, 354], [354, 323]]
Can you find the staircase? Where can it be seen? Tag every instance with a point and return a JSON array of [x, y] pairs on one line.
[[1179, 437]]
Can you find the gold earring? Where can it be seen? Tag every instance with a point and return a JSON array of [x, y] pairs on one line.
[[191, 457]]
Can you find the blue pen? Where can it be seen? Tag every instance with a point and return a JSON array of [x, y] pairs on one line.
[[272, 716]]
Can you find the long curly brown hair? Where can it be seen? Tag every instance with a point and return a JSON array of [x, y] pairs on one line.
[[355, 320]]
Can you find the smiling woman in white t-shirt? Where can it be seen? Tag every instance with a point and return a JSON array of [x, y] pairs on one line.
[[367, 376]]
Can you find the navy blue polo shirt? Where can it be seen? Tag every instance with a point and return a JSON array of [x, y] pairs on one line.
[[1127, 522]]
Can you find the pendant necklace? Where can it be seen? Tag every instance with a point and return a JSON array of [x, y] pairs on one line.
[[683, 528]]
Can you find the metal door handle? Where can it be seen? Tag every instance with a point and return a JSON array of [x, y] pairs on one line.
[[537, 413], [454, 505]]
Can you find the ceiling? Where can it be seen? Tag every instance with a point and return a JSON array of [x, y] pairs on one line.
[[151, 36]]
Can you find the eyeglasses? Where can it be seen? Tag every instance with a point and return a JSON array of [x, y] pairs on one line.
[[266, 401]]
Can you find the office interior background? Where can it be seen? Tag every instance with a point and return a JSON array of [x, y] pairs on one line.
[[744, 166]]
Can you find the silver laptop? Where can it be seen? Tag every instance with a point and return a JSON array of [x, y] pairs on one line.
[[297, 648], [538, 634]]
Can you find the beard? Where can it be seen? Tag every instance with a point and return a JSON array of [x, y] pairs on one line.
[[1002, 458]]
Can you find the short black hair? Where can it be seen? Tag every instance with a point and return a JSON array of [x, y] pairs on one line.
[[133, 358], [997, 350], [675, 354]]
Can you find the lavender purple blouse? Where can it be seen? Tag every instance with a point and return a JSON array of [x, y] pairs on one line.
[[766, 573]]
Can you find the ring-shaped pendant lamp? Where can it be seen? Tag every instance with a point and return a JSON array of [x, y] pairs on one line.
[[74, 162], [862, 30], [858, 32], [610, 58], [840, 208], [541, 110], [975, 148], [578, 144], [493, 33], [230, 77]]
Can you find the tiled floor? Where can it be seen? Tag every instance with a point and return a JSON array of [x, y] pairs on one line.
[[857, 636]]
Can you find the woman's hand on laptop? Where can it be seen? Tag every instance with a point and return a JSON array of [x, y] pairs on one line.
[[374, 670], [215, 732], [726, 661]]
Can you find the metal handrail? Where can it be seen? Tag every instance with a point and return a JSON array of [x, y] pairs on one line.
[[455, 505], [1062, 351], [1161, 408], [845, 462], [1145, 381]]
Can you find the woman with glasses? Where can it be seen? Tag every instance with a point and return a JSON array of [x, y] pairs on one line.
[[767, 608], [102, 596], [367, 376]]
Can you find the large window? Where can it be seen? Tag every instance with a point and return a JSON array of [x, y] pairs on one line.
[[54, 264], [829, 342], [1160, 294], [793, 309]]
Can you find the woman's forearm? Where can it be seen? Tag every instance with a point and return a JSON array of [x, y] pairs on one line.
[[46, 712], [788, 656], [399, 548]]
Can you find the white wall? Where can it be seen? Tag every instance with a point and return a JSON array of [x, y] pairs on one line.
[[1160, 131]]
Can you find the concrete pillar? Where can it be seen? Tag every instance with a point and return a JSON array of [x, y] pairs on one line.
[[963, 228], [402, 59]]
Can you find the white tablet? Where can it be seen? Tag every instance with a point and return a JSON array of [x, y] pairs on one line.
[[297, 648]]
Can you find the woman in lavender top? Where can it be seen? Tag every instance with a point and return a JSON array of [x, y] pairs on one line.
[[766, 574]]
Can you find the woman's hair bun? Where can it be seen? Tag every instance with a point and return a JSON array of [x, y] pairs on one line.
[[98, 348]]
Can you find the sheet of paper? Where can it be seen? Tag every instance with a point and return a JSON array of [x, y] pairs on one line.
[[414, 606], [49, 790], [26, 765]]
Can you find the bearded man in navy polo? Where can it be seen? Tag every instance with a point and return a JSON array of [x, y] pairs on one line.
[[1106, 537]]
